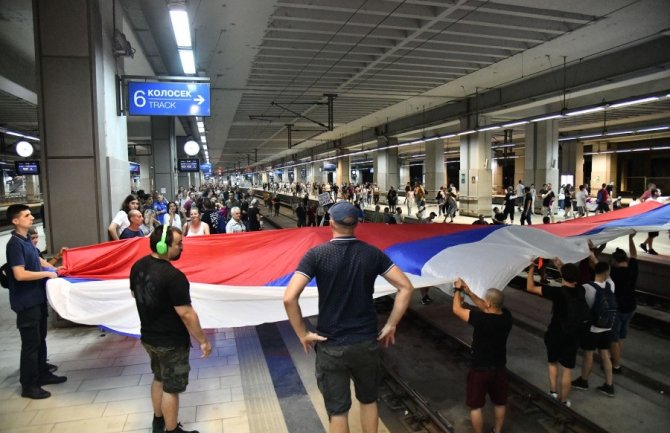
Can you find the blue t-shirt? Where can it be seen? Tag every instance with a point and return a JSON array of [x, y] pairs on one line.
[[345, 270], [127, 233], [24, 294], [160, 207]]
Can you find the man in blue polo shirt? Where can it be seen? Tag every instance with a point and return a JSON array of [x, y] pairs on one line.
[[27, 297], [346, 334]]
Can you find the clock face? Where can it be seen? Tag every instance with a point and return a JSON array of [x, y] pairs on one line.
[[24, 149], [191, 148]]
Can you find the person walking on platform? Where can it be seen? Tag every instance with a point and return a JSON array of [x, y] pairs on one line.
[[564, 330], [527, 206], [600, 298], [624, 274], [487, 374], [27, 298], [346, 338], [509, 205], [519, 194], [163, 300]]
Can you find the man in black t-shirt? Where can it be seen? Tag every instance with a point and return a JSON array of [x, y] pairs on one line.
[[346, 335], [163, 301], [561, 345], [489, 353], [527, 206], [624, 273]]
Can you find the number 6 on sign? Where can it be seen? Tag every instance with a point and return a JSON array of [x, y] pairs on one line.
[[139, 99]]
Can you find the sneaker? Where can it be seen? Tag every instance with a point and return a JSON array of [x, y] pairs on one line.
[[51, 367], [179, 429], [553, 394], [617, 370], [652, 252], [51, 379], [426, 300], [35, 392], [158, 425], [580, 383], [567, 403], [606, 389], [644, 247]]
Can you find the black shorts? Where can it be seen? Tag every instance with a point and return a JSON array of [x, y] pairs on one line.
[[652, 234], [596, 340], [561, 348], [493, 382], [169, 366], [336, 366]]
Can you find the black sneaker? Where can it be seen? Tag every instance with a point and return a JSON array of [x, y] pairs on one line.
[[51, 367], [580, 383], [617, 370], [644, 247], [35, 392], [51, 379], [426, 300], [606, 389], [158, 425], [652, 252], [179, 429]]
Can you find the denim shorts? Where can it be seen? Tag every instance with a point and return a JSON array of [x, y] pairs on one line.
[[621, 323], [336, 366], [169, 366]]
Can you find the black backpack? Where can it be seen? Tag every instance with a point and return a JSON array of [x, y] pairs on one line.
[[578, 316], [604, 307], [4, 278]]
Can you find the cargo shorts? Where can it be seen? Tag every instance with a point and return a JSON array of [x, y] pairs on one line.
[[170, 366]]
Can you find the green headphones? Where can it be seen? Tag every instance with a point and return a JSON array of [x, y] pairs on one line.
[[162, 247]]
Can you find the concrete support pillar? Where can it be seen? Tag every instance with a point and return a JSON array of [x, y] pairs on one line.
[[434, 168], [386, 166], [541, 162], [497, 177], [85, 150], [164, 155], [343, 170], [475, 174], [32, 184], [603, 166], [579, 163], [404, 174], [310, 172]]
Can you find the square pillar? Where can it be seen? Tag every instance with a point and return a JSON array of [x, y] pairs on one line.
[[475, 175], [435, 168]]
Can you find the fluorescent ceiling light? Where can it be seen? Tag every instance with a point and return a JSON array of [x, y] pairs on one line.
[[203, 139], [585, 111], [553, 116], [659, 128], [661, 147], [200, 124], [448, 136], [619, 133], [452, 151], [30, 137], [635, 102], [641, 149], [489, 128], [432, 139], [567, 138], [181, 28], [15, 134], [503, 145], [509, 125], [472, 131], [187, 61], [589, 136]]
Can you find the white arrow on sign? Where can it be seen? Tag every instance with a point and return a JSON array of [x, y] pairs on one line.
[[199, 99]]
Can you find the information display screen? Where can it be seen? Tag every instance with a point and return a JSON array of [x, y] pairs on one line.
[[27, 167], [134, 168], [188, 165]]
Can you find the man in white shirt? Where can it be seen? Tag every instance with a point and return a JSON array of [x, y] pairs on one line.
[[519, 194], [235, 225], [581, 201], [597, 338]]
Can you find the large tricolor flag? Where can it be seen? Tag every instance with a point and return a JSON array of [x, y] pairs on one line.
[[239, 279]]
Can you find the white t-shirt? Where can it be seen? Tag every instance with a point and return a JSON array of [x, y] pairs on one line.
[[590, 296], [581, 198], [121, 220], [176, 222]]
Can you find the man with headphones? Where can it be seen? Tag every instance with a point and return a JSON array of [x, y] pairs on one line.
[[167, 318]]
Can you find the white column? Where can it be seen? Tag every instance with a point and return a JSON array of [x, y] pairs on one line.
[[475, 175], [435, 171], [386, 167], [541, 162]]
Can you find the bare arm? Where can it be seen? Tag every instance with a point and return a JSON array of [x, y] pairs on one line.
[[113, 231], [206, 229], [530, 281], [291, 295], [21, 274], [457, 306], [400, 281], [632, 250], [190, 318], [479, 302]]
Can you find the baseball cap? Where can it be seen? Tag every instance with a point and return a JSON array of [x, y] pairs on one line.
[[342, 211]]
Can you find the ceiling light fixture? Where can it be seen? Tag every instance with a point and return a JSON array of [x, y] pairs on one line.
[[471, 131], [553, 116], [187, 61], [509, 125], [634, 102], [488, 128], [585, 111]]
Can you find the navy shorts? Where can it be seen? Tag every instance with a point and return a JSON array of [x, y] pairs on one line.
[[493, 382], [621, 324], [169, 366], [596, 340], [336, 366]]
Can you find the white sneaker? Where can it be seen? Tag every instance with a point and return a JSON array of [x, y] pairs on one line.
[[553, 395], [567, 403]]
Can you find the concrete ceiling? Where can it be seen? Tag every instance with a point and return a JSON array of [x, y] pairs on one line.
[[387, 60]]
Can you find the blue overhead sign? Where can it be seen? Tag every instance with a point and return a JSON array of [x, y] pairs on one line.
[[168, 99]]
